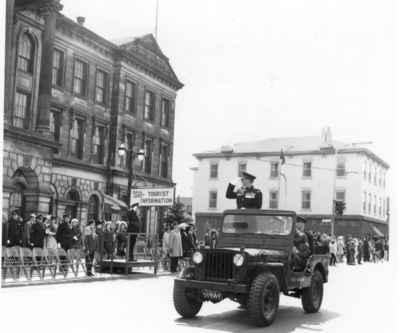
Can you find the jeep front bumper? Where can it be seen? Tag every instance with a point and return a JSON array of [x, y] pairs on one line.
[[232, 287]]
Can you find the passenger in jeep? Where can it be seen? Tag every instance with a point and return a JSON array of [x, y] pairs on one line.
[[301, 248], [246, 195]]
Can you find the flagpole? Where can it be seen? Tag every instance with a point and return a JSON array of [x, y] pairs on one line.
[[156, 25]]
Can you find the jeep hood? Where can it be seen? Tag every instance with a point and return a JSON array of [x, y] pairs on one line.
[[259, 252]]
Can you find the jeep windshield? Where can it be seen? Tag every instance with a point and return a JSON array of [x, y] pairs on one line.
[[257, 224]]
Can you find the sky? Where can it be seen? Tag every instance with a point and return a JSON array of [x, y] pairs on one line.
[[259, 69]]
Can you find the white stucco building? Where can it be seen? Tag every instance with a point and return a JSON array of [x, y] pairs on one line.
[[316, 171]]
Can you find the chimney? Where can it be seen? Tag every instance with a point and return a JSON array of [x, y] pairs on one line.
[[80, 20]]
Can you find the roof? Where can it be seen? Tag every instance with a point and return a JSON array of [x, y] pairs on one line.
[[143, 51], [306, 145]]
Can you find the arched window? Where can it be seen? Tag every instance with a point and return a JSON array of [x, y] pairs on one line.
[[93, 208], [17, 199], [25, 53]]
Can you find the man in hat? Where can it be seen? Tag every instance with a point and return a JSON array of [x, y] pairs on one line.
[[64, 234], [246, 195], [15, 229], [37, 233], [301, 248], [133, 227]]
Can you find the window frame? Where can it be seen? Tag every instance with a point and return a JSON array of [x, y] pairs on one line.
[[29, 61], [164, 159], [273, 202], [240, 169], [27, 109], [212, 200], [148, 158], [84, 81], [152, 106], [272, 174], [338, 169], [99, 155], [132, 105], [303, 201], [80, 149], [304, 175], [104, 89], [60, 81], [214, 175], [168, 117], [57, 116]]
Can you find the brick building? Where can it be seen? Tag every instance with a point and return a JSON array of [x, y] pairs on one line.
[[71, 98]]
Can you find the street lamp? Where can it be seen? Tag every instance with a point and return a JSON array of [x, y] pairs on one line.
[[132, 154]]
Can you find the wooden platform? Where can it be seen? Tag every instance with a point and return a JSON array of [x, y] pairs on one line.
[[108, 265]]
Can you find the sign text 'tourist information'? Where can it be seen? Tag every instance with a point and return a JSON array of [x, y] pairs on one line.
[[153, 196]]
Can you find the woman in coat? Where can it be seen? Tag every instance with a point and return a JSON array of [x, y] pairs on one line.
[[175, 247], [50, 231]]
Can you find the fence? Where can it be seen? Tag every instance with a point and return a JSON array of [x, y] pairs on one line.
[[119, 254]]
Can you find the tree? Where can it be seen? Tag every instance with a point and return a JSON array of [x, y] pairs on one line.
[[176, 214]]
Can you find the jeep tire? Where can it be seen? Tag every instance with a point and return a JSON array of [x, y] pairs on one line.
[[263, 299], [311, 297], [187, 303]]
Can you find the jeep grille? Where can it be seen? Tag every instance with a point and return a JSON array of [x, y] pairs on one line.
[[218, 265]]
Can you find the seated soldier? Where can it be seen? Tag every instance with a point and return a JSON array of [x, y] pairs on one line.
[[301, 248]]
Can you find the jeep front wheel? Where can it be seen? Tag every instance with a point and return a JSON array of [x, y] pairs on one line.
[[263, 300], [186, 301], [311, 297]]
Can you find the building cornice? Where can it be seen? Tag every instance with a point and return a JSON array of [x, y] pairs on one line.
[[140, 176], [78, 164], [30, 137], [367, 152]]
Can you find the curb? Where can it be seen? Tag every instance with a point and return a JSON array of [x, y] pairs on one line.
[[84, 279]]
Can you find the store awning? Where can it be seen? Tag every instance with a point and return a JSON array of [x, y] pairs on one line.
[[115, 203], [377, 232]]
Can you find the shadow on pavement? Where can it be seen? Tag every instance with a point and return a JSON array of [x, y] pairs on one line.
[[289, 319]]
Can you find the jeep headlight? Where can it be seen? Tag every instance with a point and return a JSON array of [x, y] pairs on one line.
[[238, 259], [197, 257]]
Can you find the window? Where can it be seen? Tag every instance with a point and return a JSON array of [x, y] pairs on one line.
[[214, 170], [341, 195], [380, 206], [165, 112], [77, 138], [365, 202], [212, 199], [274, 169], [21, 110], [149, 106], [369, 203], [306, 199], [375, 203], [148, 153], [101, 87], [55, 125], [25, 53], [242, 167], [273, 199], [375, 171], [80, 78], [341, 168], [98, 144], [164, 154], [307, 169], [58, 66], [129, 105]]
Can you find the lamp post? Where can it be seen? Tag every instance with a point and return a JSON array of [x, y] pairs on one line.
[[132, 154]]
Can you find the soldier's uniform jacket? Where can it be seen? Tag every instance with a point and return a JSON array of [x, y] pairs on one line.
[[301, 243], [245, 197]]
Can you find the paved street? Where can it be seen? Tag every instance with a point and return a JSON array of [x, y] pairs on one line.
[[145, 304]]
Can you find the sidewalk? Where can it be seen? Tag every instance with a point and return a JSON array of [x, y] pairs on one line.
[[47, 280]]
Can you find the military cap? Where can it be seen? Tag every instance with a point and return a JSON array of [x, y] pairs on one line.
[[248, 176]]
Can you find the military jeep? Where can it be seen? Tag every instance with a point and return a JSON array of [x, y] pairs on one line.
[[251, 265]]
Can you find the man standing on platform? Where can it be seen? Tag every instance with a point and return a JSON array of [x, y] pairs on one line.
[[246, 195], [133, 228]]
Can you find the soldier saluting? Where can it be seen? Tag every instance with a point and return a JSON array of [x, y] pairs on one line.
[[246, 195]]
